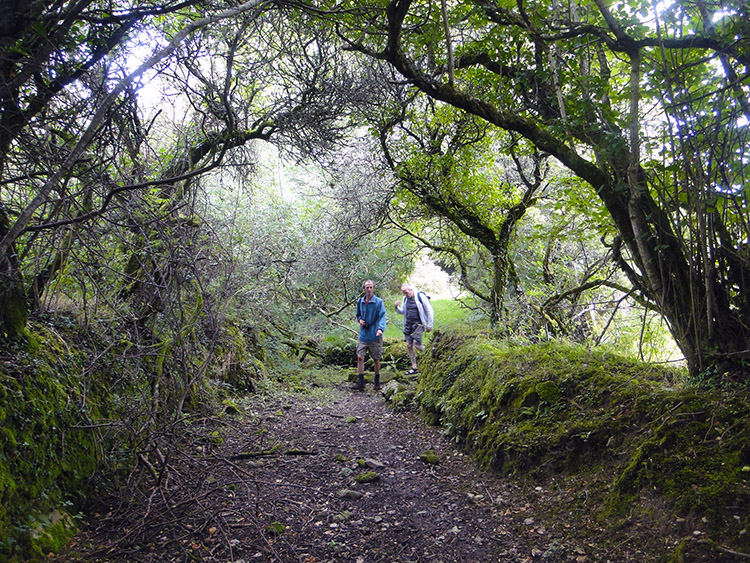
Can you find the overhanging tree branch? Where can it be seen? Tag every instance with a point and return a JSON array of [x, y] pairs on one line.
[[463, 267], [205, 148], [101, 115]]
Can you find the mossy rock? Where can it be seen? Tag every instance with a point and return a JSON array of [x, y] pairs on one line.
[[339, 348], [429, 457], [13, 315], [397, 355], [403, 400], [55, 399], [400, 394], [53, 532], [367, 477], [235, 362], [343, 516], [548, 392], [230, 407], [46, 456]]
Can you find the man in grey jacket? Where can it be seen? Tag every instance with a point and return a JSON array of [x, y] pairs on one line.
[[418, 317]]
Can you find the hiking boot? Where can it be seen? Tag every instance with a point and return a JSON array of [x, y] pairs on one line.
[[360, 385], [376, 385]]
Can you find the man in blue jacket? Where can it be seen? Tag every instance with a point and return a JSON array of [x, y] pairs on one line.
[[371, 319]]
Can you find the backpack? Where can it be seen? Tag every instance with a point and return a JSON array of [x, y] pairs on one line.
[[423, 293]]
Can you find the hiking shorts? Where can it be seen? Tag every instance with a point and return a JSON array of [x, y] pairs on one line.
[[414, 336], [375, 347]]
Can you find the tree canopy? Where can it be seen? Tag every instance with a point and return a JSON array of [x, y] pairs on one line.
[[649, 106]]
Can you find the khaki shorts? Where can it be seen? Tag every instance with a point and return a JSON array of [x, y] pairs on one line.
[[415, 337], [375, 347]]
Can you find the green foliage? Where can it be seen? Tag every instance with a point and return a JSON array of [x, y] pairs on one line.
[[339, 347], [561, 79]]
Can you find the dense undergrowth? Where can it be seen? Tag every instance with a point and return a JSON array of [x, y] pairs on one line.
[[635, 431]]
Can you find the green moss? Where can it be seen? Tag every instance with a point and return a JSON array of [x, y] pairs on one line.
[[548, 392], [343, 516], [397, 355], [339, 348], [429, 457], [62, 384], [549, 408], [230, 406], [45, 457], [401, 396], [696, 457], [367, 477], [275, 529], [53, 532], [49, 448], [239, 358], [13, 313]]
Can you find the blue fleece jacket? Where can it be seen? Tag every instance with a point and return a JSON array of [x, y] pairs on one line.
[[373, 314]]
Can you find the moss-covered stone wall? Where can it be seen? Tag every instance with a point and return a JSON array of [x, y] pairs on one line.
[[72, 400], [539, 409], [46, 455]]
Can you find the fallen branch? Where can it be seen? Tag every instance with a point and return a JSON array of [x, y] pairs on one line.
[[258, 453]]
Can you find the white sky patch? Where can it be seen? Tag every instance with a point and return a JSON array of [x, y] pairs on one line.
[[722, 14], [149, 87]]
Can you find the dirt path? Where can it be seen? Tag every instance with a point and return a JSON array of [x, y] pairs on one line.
[[283, 487]]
